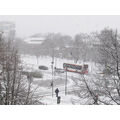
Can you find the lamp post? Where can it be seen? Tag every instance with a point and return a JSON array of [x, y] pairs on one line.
[[52, 83]]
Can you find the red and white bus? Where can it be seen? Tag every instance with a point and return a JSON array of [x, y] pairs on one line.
[[81, 69]]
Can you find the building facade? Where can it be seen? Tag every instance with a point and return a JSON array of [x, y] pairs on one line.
[[7, 29]]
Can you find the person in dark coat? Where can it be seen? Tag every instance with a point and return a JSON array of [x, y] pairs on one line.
[[57, 91]]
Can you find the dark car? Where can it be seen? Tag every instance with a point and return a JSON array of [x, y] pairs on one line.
[[42, 67]]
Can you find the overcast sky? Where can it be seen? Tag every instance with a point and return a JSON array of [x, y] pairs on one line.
[[70, 25]]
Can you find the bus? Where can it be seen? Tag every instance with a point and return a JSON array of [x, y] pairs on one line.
[[81, 69]]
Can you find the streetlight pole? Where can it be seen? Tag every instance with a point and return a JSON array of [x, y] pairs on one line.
[[52, 84]]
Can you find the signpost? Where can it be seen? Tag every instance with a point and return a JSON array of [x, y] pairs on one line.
[[66, 83]]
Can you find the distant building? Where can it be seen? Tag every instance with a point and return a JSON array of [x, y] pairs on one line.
[[8, 30], [35, 40]]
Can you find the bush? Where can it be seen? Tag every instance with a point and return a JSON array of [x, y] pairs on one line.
[[107, 71], [35, 74]]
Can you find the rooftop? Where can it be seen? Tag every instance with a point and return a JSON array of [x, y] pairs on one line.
[[34, 40]]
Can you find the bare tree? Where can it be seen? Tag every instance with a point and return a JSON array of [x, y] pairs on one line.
[[86, 90], [15, 88], [110, 61], [103, 88]]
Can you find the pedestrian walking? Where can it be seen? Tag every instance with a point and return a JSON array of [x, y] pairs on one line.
[[57, 91]]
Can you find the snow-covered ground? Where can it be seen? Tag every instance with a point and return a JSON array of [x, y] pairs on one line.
[[30, 63]]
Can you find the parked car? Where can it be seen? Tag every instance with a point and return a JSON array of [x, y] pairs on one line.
[[42, 67]]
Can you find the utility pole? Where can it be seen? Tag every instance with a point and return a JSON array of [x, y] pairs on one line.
[[52, 84]]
